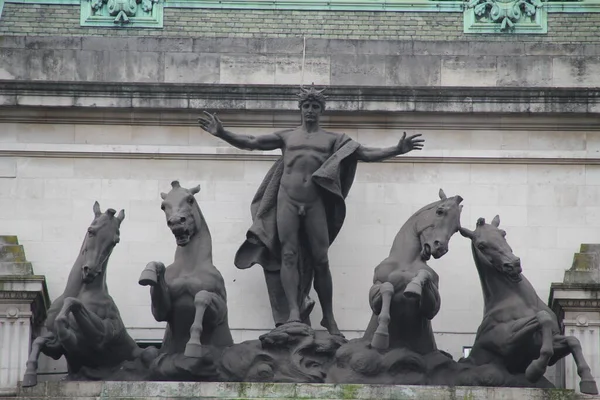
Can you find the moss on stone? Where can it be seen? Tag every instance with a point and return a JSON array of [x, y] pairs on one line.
[[350, 391]]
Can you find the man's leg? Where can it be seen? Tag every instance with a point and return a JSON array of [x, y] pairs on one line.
[[288, 225], [318, 238]]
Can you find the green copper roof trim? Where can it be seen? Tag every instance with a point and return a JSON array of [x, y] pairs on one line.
[[60, 2], [320, 5]]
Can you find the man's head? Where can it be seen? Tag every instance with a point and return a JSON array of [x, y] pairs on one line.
[[311, 103]]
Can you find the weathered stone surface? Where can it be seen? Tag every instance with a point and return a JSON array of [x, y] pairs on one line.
[[524, 71], [247, 69], [258, 61], [412, 70], [51, 65], [575, 71], [12, 63], [469, 71], [207, 390], [192, 67], [364, 70], [290, 69]]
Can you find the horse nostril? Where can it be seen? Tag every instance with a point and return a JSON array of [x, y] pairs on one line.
[[86, 269], [182, 220]]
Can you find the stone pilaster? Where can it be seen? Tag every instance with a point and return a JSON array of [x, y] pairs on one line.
[[576, 302], [23, 304]]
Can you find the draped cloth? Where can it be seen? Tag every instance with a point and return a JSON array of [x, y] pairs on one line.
[[334, 179]]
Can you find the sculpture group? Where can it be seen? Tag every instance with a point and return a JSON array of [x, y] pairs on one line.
[[297, 213]]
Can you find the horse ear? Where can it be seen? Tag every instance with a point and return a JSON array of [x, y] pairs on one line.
[[121, 216], [163, 195], [496, 221], [459, 200], [466, 233], [195, 189], [96, 209], [442, 195]]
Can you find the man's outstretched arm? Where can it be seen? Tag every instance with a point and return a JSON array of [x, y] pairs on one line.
[[211, 124], [406, 144]]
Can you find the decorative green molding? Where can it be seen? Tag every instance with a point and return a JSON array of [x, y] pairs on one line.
[[497, 16], [322, 5], [122, 13]]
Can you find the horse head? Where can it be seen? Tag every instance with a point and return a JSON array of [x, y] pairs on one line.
[[490, 246], [436, 223], [179, 206], [101, 238]]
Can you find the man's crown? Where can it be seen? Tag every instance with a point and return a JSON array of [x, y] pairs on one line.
[[311, 94]]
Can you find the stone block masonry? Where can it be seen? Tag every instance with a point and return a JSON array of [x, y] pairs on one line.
[[63, 20], [241, 391]]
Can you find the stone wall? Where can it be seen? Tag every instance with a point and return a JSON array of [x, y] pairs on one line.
[[351, 63], [59, 20]]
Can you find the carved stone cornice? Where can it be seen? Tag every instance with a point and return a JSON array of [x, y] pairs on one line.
[[29, 289], [172, 96]]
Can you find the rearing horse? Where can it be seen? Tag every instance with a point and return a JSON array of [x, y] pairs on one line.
[[84, 323], [190, 293], [518, 332], [405, 288]]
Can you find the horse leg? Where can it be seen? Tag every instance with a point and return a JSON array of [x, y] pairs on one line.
[[381, 337], [154, 276], [204, 301], [414, 288], [537, 368], [92, 327], [64, 331], [564, 345], [30, 377], [430, 302]]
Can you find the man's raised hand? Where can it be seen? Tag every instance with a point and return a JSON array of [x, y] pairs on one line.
[[410, 143], [211, 124]]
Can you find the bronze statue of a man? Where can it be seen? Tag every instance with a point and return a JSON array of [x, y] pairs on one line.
[[300, 207]]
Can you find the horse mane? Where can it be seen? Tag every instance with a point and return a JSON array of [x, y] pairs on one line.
[[204, 238], [429, 206]]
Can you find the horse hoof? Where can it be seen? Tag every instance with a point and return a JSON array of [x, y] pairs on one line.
[[193, 350], [30, 380], [148, 278], [588, 387], [380, 341], [412, 290]]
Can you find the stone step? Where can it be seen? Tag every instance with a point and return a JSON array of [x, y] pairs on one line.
[[273, 391], [16, 268], [8, 239], [12, 253]]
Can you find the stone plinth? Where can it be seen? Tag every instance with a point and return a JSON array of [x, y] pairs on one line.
[[23, 304], [576, 302], [240, 391]]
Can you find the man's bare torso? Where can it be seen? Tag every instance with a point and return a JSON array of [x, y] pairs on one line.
[[303, 154]]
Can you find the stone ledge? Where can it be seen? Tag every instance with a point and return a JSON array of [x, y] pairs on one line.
[[168, 152], [209, 390], [294, 45], [176, 96]]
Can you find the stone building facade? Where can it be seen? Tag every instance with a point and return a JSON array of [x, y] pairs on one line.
[[101, 106]]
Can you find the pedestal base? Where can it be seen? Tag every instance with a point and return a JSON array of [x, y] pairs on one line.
[[239, 391]]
